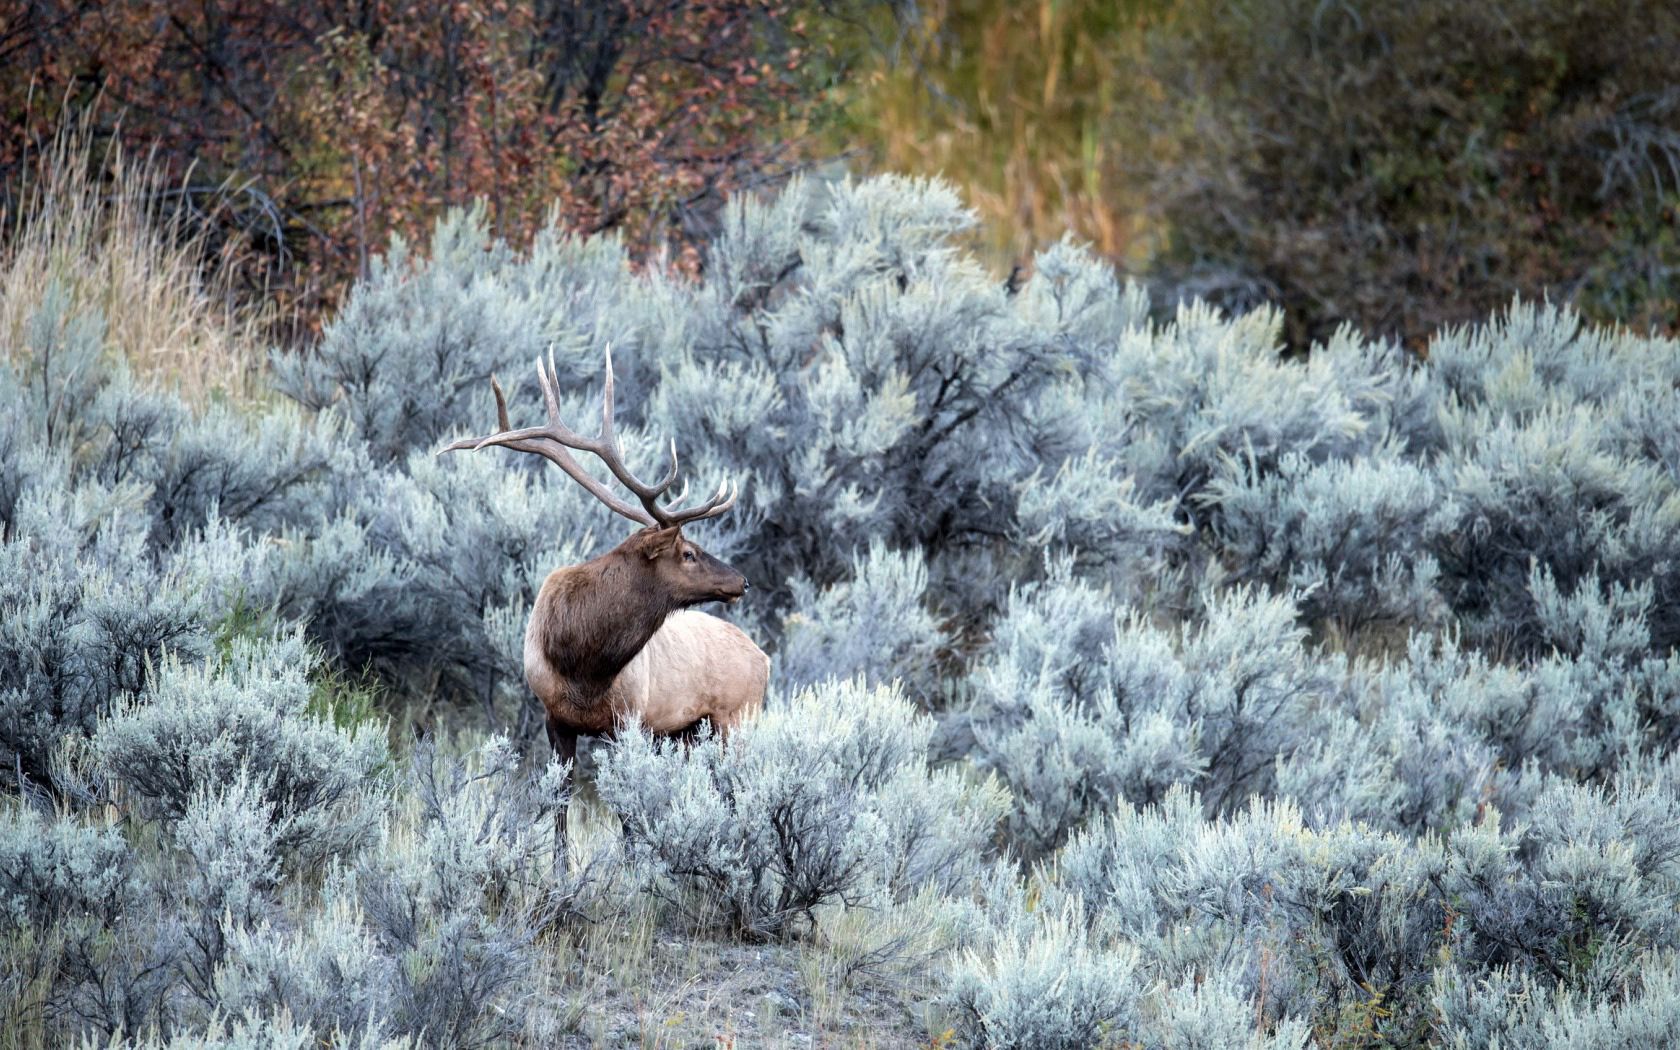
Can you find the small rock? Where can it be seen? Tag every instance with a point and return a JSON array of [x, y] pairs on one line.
[[785, 1003]]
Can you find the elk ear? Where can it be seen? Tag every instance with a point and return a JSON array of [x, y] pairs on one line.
[[661, 542]]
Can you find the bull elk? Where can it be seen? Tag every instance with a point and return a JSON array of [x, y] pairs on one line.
[[616, 639]]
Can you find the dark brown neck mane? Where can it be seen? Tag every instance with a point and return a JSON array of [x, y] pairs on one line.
[[597, 618]]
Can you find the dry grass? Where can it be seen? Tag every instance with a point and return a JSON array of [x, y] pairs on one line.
[[112, 232], [1015, 104]]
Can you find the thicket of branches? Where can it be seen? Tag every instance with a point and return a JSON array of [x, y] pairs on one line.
[[1404, 166], [306, 134], [1399, 166]]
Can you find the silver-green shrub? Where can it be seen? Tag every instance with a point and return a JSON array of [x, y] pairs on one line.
[[1061, 978], [83, 609], [875, 624], [455, 909], [1203, 389], [1589, 867], [826, 798], [1509, 1009], [1557, 449], [1204, 1013], [1351, 537], [415, 341], [253, 1030], [203, 729], [50, 870], [1081, 703], [1336, 691], [81, 928], [1304, 921], [1052, 990], [327, 974]]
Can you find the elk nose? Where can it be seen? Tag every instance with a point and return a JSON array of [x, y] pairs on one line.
[[745, 586]]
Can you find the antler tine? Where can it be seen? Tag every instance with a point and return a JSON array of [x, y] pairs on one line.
[[607, 435], [709, 509], [501, 421], [680, 496], [554, 430], [606, 447], [550, 382], [501, 404]]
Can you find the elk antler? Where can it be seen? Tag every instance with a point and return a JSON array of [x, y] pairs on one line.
[[553, 440]]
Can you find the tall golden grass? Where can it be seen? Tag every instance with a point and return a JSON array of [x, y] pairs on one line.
[[1015, 104], [114, 233]]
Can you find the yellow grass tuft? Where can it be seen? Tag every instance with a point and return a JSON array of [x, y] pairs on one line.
[[1016, 104], [118, 237]]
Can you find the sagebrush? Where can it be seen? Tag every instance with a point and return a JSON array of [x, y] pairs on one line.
[[1181, 692]]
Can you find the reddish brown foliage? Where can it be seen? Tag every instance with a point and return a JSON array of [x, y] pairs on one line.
[[338, 123]]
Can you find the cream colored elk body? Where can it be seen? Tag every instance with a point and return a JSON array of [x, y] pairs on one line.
[[695, 668], [615, 639]]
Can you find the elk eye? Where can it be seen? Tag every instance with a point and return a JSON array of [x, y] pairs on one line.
[[688, 555]]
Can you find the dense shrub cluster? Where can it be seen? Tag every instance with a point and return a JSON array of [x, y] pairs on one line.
[[827, 799], [1406, 166], [1331, 698], [1083, 704], [423, 938]]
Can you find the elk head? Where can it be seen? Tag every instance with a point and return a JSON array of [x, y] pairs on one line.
[[673, 565], [683, 570]]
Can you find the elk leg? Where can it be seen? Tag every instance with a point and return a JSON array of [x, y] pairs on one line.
[[724, 726], [564, 742], [686, 737]]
